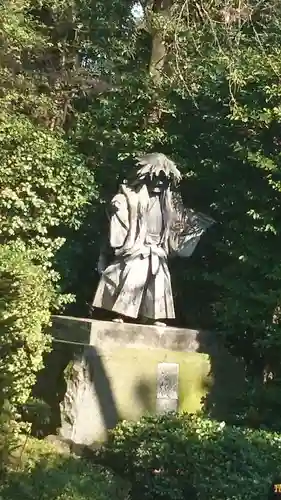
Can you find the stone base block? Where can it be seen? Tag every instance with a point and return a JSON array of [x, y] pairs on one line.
[[124, 371]]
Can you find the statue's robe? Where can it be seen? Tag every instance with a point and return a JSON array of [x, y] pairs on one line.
[[144, 230]]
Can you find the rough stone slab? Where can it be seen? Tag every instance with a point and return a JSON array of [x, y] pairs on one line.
[[81, 418], [110, 335], [166, 405], [119, 372], [167, 381], [167, 387]]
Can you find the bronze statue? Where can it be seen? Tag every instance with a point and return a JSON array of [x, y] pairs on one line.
[[148, 223]]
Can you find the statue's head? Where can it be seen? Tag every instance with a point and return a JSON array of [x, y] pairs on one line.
[[157, 172]]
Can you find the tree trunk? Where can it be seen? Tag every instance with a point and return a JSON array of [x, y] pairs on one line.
[[161, 9], [158, 50]]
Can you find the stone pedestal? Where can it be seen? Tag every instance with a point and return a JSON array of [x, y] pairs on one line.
[[124, 371]]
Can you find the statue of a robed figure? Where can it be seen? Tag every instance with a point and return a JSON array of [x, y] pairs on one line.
[[148, 223]]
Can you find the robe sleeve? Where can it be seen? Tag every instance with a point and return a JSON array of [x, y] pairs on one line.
[[187, 229], [119, 221]]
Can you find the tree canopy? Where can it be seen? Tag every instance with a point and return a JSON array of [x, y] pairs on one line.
[[87, 85]]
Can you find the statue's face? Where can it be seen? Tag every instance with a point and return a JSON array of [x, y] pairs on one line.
[[158, 184]]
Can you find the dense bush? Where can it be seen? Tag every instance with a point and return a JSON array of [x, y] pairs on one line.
[[192, 453], [46, 474], [26, 295], [45, 185]]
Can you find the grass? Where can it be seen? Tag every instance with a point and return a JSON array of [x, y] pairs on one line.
[[45, 474]]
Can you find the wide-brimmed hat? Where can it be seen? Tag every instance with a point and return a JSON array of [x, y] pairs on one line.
[[153, 164]]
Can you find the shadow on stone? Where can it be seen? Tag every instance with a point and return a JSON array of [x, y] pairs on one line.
[[102, 387], [144, 394], [226, 379], [74, 383]]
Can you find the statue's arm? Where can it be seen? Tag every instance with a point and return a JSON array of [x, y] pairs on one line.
[[187, 229], [119, 221], [179, 223]]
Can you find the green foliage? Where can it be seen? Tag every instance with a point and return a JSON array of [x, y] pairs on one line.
[[49, 475], [26, 298], [195, 457], [46, 185], [219, 118], [233, 164], [37, 413]]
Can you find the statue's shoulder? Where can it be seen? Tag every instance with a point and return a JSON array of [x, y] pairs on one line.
[[119, 201]]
